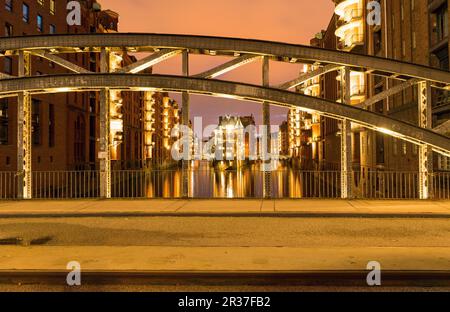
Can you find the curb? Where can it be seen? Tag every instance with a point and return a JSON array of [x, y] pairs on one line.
[[224, 215]]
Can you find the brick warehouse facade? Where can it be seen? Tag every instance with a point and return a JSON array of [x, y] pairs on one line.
[[51, 153], [410, 31], [66, 126]]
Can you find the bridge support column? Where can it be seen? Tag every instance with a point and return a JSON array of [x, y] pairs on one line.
[[24, 131], [346, 140], [105, 146], [185, 120], [266, 145], [425, 152], [105, 139]]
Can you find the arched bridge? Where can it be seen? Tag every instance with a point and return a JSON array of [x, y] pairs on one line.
[[163, 47]]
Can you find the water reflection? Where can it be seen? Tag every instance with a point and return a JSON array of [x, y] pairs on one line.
[[207, 182]]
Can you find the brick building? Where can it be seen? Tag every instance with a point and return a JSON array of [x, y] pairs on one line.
[[66, 126], [166, 117], [410, 31]]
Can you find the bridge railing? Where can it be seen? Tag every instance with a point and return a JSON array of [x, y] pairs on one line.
[[212, 183], [441, 185], [385, 185], [8, 185]]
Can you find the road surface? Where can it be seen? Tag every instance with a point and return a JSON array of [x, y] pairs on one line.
[[228, 231], [180, 242]]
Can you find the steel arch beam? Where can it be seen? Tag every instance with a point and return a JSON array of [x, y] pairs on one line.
[[227, 67], [222, 46], [61, 62], [308, 76], [149, 61], [140, 82]]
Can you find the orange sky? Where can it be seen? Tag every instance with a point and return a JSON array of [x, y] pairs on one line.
[[293, 21]]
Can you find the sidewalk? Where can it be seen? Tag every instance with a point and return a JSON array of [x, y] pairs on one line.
[[222, 259], [276, 208]]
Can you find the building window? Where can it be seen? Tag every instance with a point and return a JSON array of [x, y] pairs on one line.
[[377, 42], [52, 7], [380, 148], [36, 122], [442, 23], [442, 56], [52, 29], [40, 23], [79, 140], [7, 65], [25, 13], [8, 30], [51, 125], [9, 5], [4, 122]]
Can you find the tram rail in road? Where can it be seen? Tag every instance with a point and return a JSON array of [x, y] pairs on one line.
[[185, 278]]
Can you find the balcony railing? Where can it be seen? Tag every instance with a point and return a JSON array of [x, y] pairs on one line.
[[350, 41], [296, 184], [351, 15]]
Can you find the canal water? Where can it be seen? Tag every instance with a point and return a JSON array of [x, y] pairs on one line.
[[208, 182]]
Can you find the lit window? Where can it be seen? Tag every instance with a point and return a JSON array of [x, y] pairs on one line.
[[9, 5], [40, 23], [25, 13], [52, 7], [52, 29]]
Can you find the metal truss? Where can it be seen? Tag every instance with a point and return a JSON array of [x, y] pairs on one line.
[[276, 51], [61, 62], [105, 136], [346, 139], [425, 151], [149, 61], [24, 132], [267, 145], [244, 52], [185, 120], [390, 92], [308, 76], [227, 67], [95, 82]]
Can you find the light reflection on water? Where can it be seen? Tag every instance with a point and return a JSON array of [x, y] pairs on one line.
[[207, 182]]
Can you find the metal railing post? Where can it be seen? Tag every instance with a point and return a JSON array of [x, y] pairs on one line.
[[346, 139], [24, 131], [185, 122], [425, 151], [267, 150], [105, 140]]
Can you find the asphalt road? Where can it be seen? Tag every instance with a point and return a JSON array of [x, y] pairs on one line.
[[225, 232], [222, 232]]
